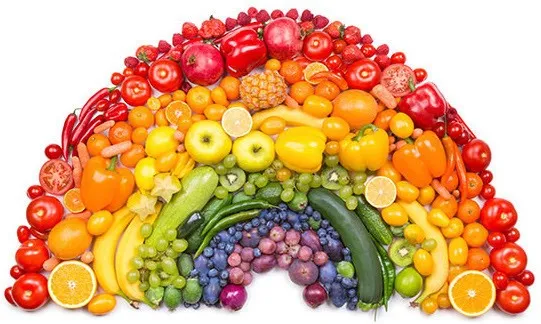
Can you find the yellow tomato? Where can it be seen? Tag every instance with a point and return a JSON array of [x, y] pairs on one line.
[[394, 215], [429, 306], [455, 270], [426, 195], [99, 222], [101, 304], [454, 229], [406, 191], [458, 251], [161, 140], [166, 161], [388, 170], [423, 262], [317, 106], [273, 125], [438, 218], [335, 128], [414, 234], [401, 125]]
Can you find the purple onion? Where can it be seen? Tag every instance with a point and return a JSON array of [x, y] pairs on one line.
[[314, 295], [233, 297], [310, 239]]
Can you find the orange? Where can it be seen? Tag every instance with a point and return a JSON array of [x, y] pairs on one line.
[[300, 91], [133, 155], [475, 184], [141, 116], [472, 293], [139, 135], [478, 259], [357, 107], [273, 125], [154, 103], [475, 235], [327, 89], [388, 170], [198, 98], [313, 69], [449, 207], [120, 132], [219, 96], [96, 143], [184, 124], [165, 99], [335, 128], [73, 202], [273, 65], [231, 86], [69, 239], [72, 284], [383, 118], [160, 118], [215, 111], [317, 106], [179, 95], [291, 71], [177, 110]]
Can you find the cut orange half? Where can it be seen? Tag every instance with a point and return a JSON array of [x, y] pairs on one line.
[[312, 69], [472, 293], [237, 121], [73, 202], [380, 192], [72, 284], [177, 110]]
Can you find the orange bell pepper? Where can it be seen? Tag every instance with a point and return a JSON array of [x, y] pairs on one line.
[[422, 161], [100, 183], [125, 189]]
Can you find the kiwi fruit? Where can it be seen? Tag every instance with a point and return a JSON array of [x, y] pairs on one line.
[[332, 178], [233, 179], [401, 252]]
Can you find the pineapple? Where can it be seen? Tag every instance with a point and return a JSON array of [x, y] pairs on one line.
[[263, 90]]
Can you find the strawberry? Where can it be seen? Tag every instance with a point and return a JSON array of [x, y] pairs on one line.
[[243, 19], [212, 28], [131, 61], [335, 29], [230, 23], [189, 30], [252, 11], [178, 39], [262, 16], [382, 60], [293, 14], [277, 14], [382, 49], [367, 39], [307, 27], [147, 53], [320, 21], [307, 15], [163, 46], [352, 35], [351, 53]]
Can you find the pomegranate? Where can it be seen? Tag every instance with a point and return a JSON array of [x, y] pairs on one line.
[[202, 64], [283, 38]]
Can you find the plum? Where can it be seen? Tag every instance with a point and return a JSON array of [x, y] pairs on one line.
[[211, 292], [219, 259], [310, 239], [320, 258], [314, 295], [264, 263], [250, 238], [334, 249], [303, 272], [327, 273]]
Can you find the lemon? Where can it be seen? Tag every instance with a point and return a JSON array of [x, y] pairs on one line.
[[237, 121], [380, 192]]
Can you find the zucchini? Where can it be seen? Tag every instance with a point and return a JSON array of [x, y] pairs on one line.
[[373, 222], [355, 236], [191, 225]]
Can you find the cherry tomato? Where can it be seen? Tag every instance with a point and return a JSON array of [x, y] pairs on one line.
[[136, 90], [500, 280], [439, 129], [526, 278], [496, 239], [514, 299], [9, 296], [368, 50], [333, 62], [39, 235], [31, 255], [397, 79], [317, 46], [35, 191], [398, 58], [53, 151], [165, 75], [56, 177], [509, 259], [141, 69], [127, 72], [16, 272], [30, 291], [23, 233], [498, 215], [476, 155], [488, 192], [339, 45], [420, 75], [486, 176], [363, 74], [117, 78], [463, 139], [454, 130], [43, 213], [512, 235]]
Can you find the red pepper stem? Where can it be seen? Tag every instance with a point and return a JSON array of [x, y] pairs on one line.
[[112, 165], [361, 131]]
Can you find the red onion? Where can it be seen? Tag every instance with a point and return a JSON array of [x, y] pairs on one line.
[[314, 295], [233, 297]]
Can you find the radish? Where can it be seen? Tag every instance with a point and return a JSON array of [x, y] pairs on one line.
[[283, 38], [203, 64]]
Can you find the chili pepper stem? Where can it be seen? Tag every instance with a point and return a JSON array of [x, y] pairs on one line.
[[361, 131], [112, 165], [411, 84]]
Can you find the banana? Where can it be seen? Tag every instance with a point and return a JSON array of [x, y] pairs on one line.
[[126, 251], [104, 252]]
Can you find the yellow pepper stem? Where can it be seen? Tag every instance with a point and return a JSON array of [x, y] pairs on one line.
[[112, 165], [360, 133]]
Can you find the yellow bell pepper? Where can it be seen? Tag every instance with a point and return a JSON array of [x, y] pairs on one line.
[[144, 172], [301, 148], [368, 149]]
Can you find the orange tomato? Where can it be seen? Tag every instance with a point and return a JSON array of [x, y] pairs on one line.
[[327, 89], [139, 135], [332, 147], [388, 170], [198, 117], [179, 95], [161, 119], [478, 259], [335, 128], [291, 71], [215, 112], [231, 86], [300, 91], [468, 211], [357, 107], [449, 207], [133, 155], [198, 98], [383, 118], [141, 116], [317, 106], [273, 125], [455, 228], [475, 234], [165, 99], [166, 162], [184, 124], [426, 195], [450, 183], [96, 143], [273, 65], [219, 96], [475, 184], [120, 132]]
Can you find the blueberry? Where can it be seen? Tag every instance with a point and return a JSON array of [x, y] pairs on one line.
[[212, 244], [351, 306], [224, 274], [292, 217], [282, 206], [194, 273], [257, 252], [323, 241], [286, 226], [324, 223], [269, 216], [229, 248], [247, 226], [255, 222], [203, 280], [213, 273], [338, 278], [345, 251], [346, 282], [232, 239], [263, 230], [210, 264], [297, 226], [316, 215], [309, 210], [223, 282], [270, 224], [283, 215], [335, 235], [231, 231], [347, 258], [303, 217], [321, 232], [238, 236], [305, 226], [264, 213], [221, 245], [352, 292]]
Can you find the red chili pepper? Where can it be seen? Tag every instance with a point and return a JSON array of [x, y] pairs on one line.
[[84, 120], [101, 94], [461, 172], [117, 112], [452, 115], [243, 51], [331, 76], [67, 131], [98, 120], [425, 104], [114, 96]]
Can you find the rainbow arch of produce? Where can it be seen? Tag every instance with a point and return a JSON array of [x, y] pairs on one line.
[[268, 141]]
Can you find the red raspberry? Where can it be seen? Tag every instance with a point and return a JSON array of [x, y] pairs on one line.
[[367, 39], [352, 35], [307, 27], [293, 14], [382, 49], [163, 46], [131, 61], [277, 14], [335, 29], [382, 60], [243, 19], [178, 39], [212, 28], [262, 16], [307, 15], [351, 54], [189, 30], [252, 11], [175, 55], [230, 23], [320, 21], [147, 53]]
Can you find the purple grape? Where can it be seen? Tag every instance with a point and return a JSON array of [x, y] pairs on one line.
[[234, 259], [277, 234], [236, 275], [220, 260], [292, 237], [233, 297], [305, 253], [310, 239], [264, 263], [294, 250], [247, 278], [334, 250], [314, 295], [281, 247], [200, 264], [303, 273], [327, 273], [338, 295], [247, 254], [237, 248], [245, 266], [320, 258], [267, 246], [284, 261], [250, 238]]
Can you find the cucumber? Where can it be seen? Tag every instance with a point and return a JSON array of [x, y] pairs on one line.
[[197, 189], [355, 236], [240, 197], [373, 222], [270, 193], [191, 225]]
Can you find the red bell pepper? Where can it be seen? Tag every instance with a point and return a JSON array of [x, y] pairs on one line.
[[425, 104], [117, 112], [243, 51]]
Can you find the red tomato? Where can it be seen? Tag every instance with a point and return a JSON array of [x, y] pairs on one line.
[[141, 69], [117, 78], [339, 45], [136, 90], [514, 299], [30, 291], [439, 129], [526, 278], [454, 130], [53, 151], [317, 46], [420, 75], [398, 58], [31, 255], [165, 75], [509, 259], [35, 191], [496, 239], [500, 280], [333, 62], [397, 79], [43, 213], [16, 272], [476, 155], [363, 74], [23, 233], [39, 235], [498, 215], [512, 235], [486, 176], [368, 50], [9, 296], [488, 192], [56, 177]]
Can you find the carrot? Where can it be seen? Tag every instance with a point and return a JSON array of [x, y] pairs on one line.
[[331, 76], [384, 96], [416, 133], [179, 136], [104, 127], [82, 215], [181, 148], [461, 171], [291, 103], [77, 172], [82, 151], [441, 190], [116, 149], [50, 264]]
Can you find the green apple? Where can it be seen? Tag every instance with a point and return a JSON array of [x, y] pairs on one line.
[[254, 151], [206, 142]]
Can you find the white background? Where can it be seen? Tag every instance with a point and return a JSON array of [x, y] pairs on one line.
[[484, 56]]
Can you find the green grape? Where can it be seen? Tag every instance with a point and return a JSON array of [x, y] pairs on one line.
[[252, 177], [220, 169], [352, 202], [179, 245], [151, 252], [303, 187], [161, 244], [146, 230], [345, 192], [170, 234], [179, 282], [358, 189], [220, 192], [138, 263], [331, 160], [305, 178], [151, 265], [171, 253], [359, 177], [154, 280], [270, 173], [277, 165], [169, 266], [289, 183], [164, 275], [343, 180], [249, 189], [429, 244], [316, 181], [142, 250], [133, 276], [144, 286], [287, 195], [261, 181], [230, 161]]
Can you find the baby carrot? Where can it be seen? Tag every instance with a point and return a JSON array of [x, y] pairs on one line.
[[104, 127], [116, 149], [440, 189], [82, 151], [77, 171]]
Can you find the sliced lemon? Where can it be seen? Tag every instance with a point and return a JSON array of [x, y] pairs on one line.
[[380, 192], [72, 284], [472, 293], [312, 69], [237, 121]]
